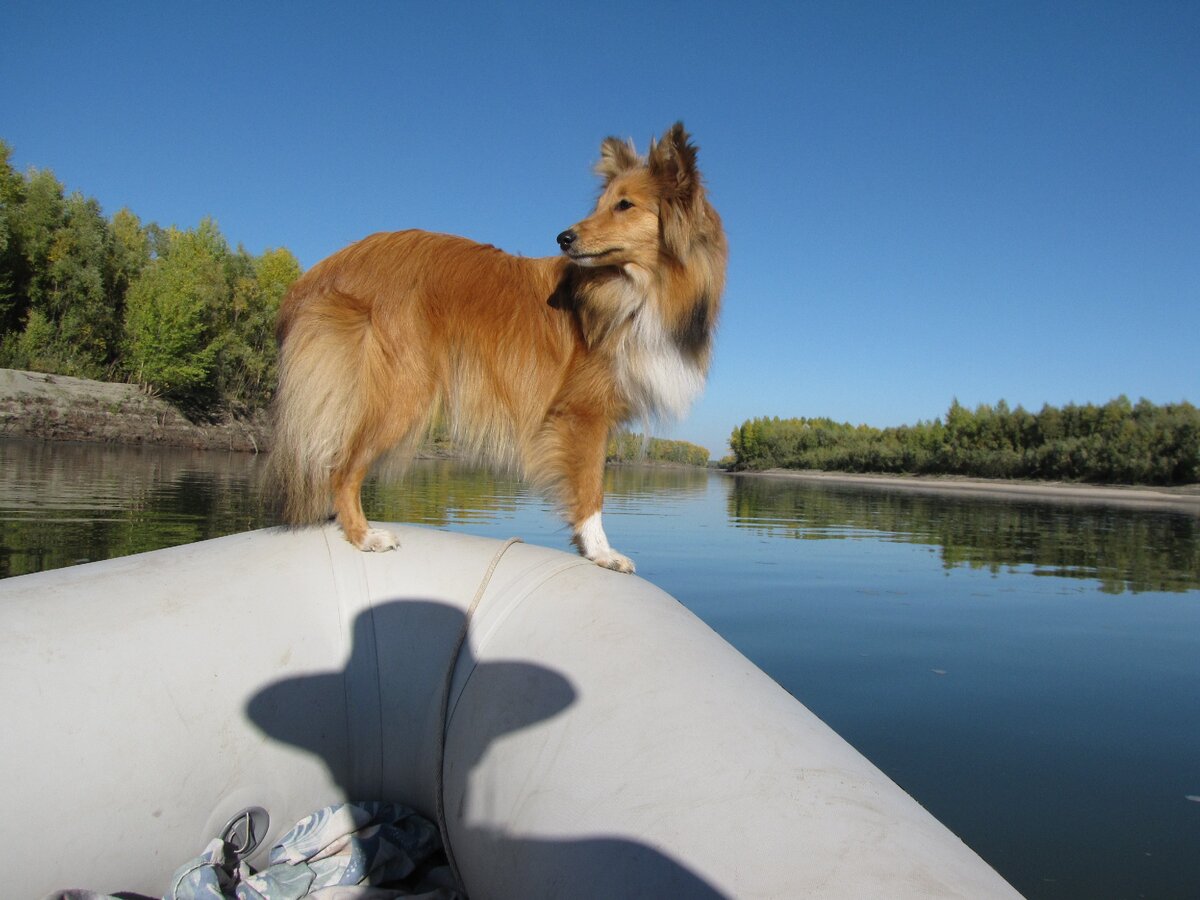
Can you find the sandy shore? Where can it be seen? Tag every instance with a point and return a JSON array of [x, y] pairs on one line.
[[1183, 499]]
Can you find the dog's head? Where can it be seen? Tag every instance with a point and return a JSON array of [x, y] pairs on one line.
[[648, 206]]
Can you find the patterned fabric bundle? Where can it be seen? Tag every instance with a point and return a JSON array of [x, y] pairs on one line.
[[350, 851]]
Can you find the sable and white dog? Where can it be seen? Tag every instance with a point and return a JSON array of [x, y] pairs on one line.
[[531, 362]]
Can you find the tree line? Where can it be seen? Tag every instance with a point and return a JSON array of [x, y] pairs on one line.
[[174, 310], [1118, 442], [626, 447]]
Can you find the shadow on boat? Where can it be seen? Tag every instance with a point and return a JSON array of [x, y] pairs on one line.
[[376, 696]]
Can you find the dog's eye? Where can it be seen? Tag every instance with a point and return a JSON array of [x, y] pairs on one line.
[[623, 204]]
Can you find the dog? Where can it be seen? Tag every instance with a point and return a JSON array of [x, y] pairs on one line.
[[531, 363]]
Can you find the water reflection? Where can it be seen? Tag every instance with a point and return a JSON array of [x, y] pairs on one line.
[[1124, 549], [645, 482], [448, 492], [442, 492], [63, 503]]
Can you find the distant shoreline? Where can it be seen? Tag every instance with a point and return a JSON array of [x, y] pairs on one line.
[[59, 407], [1185, 498]]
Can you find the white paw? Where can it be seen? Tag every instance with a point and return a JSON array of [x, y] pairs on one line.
[[593, 543], [615, 561], [378, 540]]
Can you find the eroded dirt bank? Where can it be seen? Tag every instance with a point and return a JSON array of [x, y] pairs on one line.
[[58, 407]]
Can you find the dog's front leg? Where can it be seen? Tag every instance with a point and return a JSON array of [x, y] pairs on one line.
[[568, 460], [593, 543], [585, 483]]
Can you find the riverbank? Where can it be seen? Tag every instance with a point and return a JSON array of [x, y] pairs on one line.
[[38, 406], [1185, 498], [59, 407]]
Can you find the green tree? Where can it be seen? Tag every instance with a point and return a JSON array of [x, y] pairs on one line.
[[245, 365], [77, 294], [130, 249], [170, 311], [58, 313], [42, 214], [1117, 442], [52, 275], [34, 212], [12, 195]]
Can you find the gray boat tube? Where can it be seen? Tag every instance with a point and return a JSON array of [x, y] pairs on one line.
[[601, 741]]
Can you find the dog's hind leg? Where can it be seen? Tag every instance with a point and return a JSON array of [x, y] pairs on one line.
[[397, 425], [347, 504]]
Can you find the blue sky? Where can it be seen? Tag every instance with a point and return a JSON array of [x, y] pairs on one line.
[[924, 200]]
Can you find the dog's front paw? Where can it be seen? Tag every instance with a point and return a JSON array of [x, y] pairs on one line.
[[593, 543], [377, 540], [615, 561]]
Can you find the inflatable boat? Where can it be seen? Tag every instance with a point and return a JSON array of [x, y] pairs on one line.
[[585, 735]]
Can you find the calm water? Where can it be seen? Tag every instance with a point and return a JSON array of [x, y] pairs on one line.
[[1029, 671]]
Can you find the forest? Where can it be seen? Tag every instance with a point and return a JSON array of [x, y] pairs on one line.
[[112, 298], [1118, 442]]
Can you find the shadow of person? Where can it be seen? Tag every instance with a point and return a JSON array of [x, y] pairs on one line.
[[374, 726]]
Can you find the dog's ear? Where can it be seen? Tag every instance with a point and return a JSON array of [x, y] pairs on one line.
[[616, 156], [672, 162]]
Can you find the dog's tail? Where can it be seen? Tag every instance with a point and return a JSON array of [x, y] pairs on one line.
[[321, 406]]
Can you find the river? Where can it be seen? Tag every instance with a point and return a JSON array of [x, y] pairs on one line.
[[1028, 669]]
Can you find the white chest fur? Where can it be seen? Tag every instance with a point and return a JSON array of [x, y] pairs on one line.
[[658, 380]]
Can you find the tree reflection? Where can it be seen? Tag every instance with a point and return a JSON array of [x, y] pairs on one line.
[[67, 503], [1124, 549]]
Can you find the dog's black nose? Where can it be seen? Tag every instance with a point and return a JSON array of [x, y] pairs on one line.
[[567, 238]]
